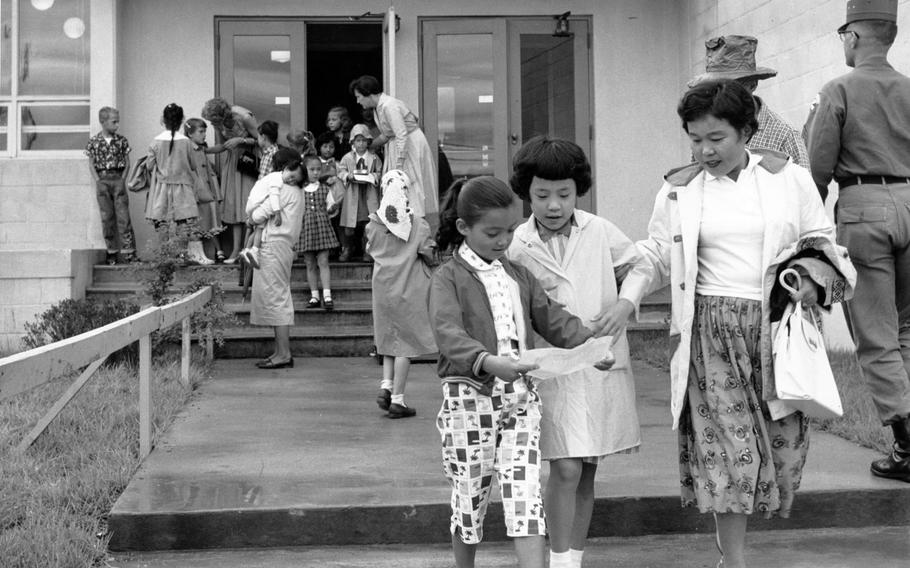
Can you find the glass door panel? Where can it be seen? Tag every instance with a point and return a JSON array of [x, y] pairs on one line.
[[464, 97], [548, 84], [262, 66]]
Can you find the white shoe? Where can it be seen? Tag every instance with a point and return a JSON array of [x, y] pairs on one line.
[[195, 254]]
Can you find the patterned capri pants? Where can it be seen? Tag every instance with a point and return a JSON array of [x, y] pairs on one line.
[[486, 435]]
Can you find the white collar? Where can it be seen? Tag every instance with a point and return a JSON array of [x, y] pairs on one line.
[[753, 160], [166, 135]]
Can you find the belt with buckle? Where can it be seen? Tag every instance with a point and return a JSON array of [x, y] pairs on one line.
[[117, 171], [868, 179]]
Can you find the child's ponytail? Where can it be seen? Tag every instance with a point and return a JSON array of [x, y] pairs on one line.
[[172, 117], [468, 199]]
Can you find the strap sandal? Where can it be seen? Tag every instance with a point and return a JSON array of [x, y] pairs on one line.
[[313, 303], [328, 304]]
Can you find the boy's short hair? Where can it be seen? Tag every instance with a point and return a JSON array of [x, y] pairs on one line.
[[550, 159], [325, 138], [283, 158], [269, 129], [105, 113]]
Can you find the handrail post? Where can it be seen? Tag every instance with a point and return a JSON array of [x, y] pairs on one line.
[[209, 342], [145, 392], [185, 353]]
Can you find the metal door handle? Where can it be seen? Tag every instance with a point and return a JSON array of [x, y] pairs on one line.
[[514, 139]]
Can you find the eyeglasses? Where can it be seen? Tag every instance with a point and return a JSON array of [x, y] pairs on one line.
[[843, 35]]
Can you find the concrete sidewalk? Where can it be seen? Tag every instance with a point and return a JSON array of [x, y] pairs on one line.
[[303, 456], [882, 547]]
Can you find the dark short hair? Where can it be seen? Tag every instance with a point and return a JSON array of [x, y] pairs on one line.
[[285, 157], [192, 125], [269, 129], [550, 159], [468, 200], [723, 99], [311, 158], [882, 31], [325, 138], [365, 85]]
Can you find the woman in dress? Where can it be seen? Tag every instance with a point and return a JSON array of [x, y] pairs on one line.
[[236, 131], [721, 229], [405, 146]]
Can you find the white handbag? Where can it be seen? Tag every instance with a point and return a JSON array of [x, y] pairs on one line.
[[802, 373]]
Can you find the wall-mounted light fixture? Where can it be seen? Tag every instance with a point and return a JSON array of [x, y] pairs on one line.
[[562, 25]]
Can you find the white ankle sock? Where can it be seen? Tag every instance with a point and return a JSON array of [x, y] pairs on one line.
[[326, 294], [560, 559], [576, 557], [398, 399], [385, 384], [314, 294]]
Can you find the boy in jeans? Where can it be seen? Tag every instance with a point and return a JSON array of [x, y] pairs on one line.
[[109, 162]]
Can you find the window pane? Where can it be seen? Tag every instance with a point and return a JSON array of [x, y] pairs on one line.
[[55, 140], [547, 86], [60, 127], [61, 115], [54, 48], [465, 95], [6, 45], [4, 126], [262, 78]]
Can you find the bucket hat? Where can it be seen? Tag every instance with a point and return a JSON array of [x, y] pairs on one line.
[[731, 57]]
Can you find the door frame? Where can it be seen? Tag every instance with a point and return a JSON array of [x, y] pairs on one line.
[[506, 31]]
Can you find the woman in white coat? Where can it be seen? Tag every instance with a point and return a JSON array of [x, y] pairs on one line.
[[718, 232]]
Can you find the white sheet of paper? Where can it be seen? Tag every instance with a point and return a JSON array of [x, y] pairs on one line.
[[364, 178], [555, 362]]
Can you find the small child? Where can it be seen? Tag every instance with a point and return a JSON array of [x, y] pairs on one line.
[[209, 218], [484, 311], [359, 171], [403, 251], [288, 169], [268, 143], [338, 122], [317, 238], [325, 144], [108, 161], [172, 196], [580, 257]]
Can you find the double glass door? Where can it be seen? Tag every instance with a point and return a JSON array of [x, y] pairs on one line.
[[489, 85]]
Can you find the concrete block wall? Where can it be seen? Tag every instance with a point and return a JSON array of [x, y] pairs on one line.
[[795, 37], [50, 235]]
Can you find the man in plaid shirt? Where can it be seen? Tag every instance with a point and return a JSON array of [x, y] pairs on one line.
[[733, 57]]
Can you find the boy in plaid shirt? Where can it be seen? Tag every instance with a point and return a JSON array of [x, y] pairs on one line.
[[108, 159]]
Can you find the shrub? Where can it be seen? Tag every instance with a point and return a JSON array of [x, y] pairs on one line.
[[70, 317]]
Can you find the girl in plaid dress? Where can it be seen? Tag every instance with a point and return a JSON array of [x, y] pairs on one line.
[[317, 237]]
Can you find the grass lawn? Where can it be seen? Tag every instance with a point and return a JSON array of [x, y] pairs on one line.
[[859, 423], [57, 494]]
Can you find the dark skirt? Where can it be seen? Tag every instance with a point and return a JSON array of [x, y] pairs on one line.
[[733, 457]]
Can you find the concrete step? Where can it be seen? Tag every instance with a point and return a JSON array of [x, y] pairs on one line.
[[303, 457], [225, 273], [343, 291], [306, 341]]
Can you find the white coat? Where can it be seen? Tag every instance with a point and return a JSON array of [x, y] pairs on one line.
[[791, 209], [589, 413]]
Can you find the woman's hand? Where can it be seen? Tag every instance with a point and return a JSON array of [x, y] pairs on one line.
[[506, 368], [613, 320], [806, 289], [233, 143]]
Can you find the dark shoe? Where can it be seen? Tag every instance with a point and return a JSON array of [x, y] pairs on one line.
[[269, 364], [328, 304], [895, 466], [313, 303], [111, 258], [384, 399], [400, 411], [345, 255], [219, 257]]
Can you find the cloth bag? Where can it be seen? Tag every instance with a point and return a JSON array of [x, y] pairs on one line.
[[201, 188], [248, 164], [802, 374]]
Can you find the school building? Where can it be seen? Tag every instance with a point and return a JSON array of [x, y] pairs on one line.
[[482, 75]]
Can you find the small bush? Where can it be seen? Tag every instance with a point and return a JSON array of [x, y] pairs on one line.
[[70, 317]]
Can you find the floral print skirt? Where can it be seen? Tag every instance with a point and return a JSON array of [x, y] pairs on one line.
[[732, 457]]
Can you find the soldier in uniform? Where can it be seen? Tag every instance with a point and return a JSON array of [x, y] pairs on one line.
[[859, 135]]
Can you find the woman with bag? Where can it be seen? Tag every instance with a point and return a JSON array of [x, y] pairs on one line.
[[720, 231], [236, 132]]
